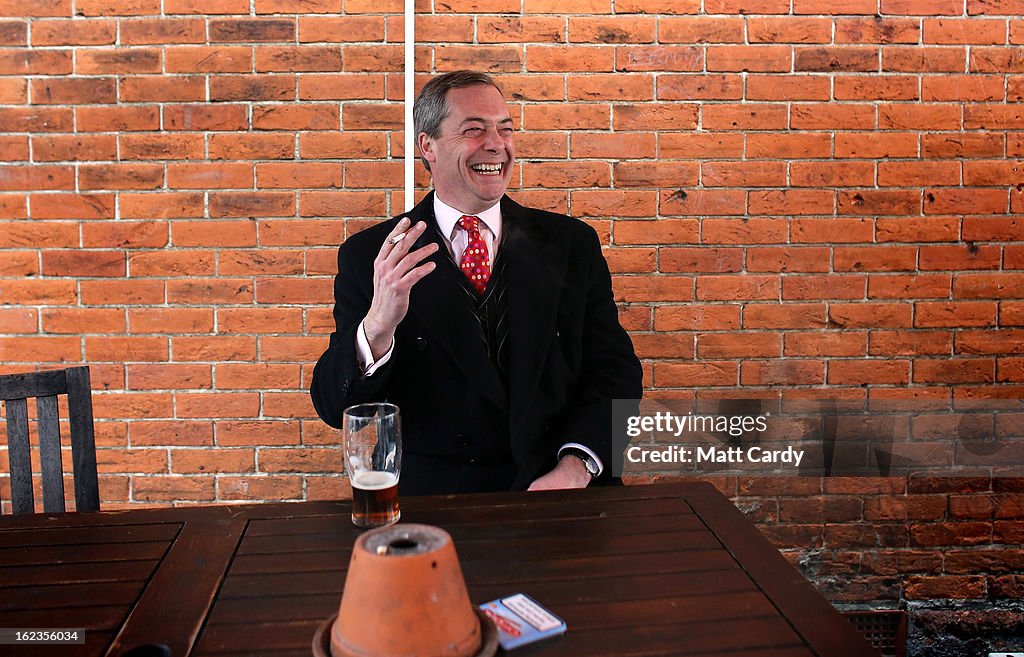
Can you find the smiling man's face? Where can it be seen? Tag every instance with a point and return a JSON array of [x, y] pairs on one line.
[[471, 159]]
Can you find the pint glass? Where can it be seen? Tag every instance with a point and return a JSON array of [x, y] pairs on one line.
[[373, 461]]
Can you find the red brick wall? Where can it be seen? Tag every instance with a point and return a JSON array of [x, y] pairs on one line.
[[790, 198]]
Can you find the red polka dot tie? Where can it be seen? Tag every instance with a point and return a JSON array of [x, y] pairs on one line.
[[475, 263]]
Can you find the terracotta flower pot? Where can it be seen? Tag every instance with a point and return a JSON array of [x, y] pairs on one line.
[[405, 597]]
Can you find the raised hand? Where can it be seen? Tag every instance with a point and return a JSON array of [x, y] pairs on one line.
[[395, 271]]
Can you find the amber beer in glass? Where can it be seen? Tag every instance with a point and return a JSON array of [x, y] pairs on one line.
[[373, 461]]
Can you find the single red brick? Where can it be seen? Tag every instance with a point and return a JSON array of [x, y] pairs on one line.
[[32, 8], [659, 58], [120, 176], [234, 433], [701, 87], [954, 31], [72, 206], [790, 30], [298, 58], [871, 371], [791, 201], [342, 203], [260, 488], [924, 59], [617, 87], [168, 376], [521, 29], [172, 263], [84, 263], [83, 320], [739, 344], [824, 286], [119, 60], [125, 349], [501, 58], [567, 117], [663, 345], [697, 202], [831, 174], [1004, 341], [620, 28], [179, 88], [301, 460], [1003, 285], [35, 177], [162, 147], [346, 86], [614, 203], [876, 145], [704, 373], [252, 87], [209, 59], [909, 286], [728, 287], [879, 202], [77, 32], [173, 488], [631, 289], [702, 29], [920, 587], [117, 119], [658, 6], [19, 61], [941, 314], [697, 317], [910, 343], [74, 91], [170, 320], [782, 372]]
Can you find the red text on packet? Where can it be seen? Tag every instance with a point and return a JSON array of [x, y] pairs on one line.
[[504, 624]]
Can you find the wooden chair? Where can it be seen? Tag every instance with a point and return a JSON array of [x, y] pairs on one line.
[[15, 389]]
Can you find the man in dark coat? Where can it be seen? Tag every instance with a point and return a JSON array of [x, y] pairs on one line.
[[491, 325]]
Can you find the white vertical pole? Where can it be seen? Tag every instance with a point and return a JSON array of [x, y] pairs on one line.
[[410, 87]]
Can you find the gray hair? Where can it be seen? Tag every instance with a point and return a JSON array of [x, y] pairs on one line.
[[431, 106]]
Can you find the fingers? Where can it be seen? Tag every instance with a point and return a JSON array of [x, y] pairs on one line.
[[400, 240], [412, 259], [390, 241], [417, 274]]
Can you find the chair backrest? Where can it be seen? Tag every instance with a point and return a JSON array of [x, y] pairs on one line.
[[15, 389]]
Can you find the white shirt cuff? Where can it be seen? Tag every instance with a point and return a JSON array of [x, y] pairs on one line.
[[365, 355], [597, 460]]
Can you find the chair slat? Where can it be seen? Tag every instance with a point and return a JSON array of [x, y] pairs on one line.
[[33, 384], [51, 465], [83, 440], [19, 456]]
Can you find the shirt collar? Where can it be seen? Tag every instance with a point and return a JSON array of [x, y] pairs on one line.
[[447, 217]]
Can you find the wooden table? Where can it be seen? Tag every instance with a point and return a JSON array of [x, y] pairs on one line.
[[645, 570]]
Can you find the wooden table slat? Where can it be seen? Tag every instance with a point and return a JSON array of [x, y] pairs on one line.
[[466, 534], [98, 571], [64, 596], [92, 617], [80, 536], [82, 554], [528, 518]]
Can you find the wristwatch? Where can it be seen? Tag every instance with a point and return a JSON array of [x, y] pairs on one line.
[[588, 461]]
